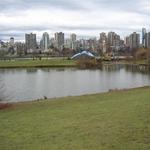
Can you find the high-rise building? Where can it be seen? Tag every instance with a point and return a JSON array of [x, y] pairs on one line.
[[143, 37], [11, 45], [45, 42], [59, 40], [30, 41], [12, 41], [92, 44], [117, 42], [103, 37], [20, 48], [73, 39], [134, 40], [83, 44], [147, 40], [68, 43], [127, 42], [103, 42], [113, 41], [111, 36], [52, 42]]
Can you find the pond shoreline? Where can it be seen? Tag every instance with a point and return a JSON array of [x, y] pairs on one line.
[[59, 63], [144, 66], [44, 83], [6, 105], [103, 121], [39, 66]]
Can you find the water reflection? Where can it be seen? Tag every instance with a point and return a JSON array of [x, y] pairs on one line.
[[31, 70], [4, 96], [112, 68], [138, 68], [31, 84]]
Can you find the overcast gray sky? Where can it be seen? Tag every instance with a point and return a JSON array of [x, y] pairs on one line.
[[83, 17]]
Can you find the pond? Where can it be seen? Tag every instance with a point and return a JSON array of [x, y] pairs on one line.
[[31, 84]]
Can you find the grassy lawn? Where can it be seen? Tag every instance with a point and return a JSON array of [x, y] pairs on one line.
[[111, 121], [37, 63], [50, 63], [142, 62]]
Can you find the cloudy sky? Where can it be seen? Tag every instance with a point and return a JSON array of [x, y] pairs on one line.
[[83, 17]]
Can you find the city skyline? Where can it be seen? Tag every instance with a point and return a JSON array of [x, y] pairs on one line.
[[52, 36], [105, 43], [85, 18]]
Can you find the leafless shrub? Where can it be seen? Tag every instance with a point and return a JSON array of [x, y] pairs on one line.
[[143, 54], [87, 63], [5, 106]]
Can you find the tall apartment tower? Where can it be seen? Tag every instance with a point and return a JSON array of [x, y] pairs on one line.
[[143, 37], [127, 41], [73, 39], [113, 41], [45, 42], [103, 42], [12, 41], [147, 40], [59, 40], [134, 40], [30, 41], [111, 38]]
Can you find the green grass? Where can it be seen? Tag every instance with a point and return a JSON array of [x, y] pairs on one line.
[[110, 121], [138, 62], [49, 63], [142, 61], [37, 63]]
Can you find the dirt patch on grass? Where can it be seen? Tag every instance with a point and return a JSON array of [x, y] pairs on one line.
[[5, 106]]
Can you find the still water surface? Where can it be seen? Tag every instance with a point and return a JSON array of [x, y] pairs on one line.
[[31, 84]]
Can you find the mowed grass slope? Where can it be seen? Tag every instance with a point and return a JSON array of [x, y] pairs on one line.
[[37, 63], [111, 121]]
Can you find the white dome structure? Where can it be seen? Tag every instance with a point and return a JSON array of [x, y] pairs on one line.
[[84, 54]]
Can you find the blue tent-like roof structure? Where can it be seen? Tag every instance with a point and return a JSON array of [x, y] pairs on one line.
[[84, 54]]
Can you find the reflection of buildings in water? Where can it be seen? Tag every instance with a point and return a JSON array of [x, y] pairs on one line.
[[53, 69], [31, 70], [138, 68], [3, 96], [113, 67]]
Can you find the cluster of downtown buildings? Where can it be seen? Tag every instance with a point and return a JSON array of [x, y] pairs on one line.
[[110, 42]]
